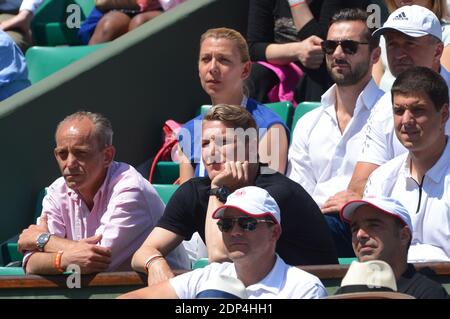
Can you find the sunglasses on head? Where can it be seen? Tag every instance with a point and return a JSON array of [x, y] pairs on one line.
[[348, 46], [246, 223]]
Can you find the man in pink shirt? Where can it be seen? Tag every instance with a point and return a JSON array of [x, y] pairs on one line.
[[98, 213]]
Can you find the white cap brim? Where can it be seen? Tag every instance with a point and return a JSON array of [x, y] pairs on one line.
[[219, 213]]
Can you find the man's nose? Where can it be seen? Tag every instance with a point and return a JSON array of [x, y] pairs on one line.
[[407, 117], [361, 234], [71, 160], [236, 230]]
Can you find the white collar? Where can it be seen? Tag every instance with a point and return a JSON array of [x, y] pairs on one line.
[[274, 280]]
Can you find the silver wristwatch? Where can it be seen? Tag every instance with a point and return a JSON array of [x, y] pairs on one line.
[[42, 240]]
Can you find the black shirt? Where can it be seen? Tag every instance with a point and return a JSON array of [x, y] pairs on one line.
[[415, 284], [305, 237]]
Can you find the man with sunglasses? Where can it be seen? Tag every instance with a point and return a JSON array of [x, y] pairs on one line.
[[249, 223], [413, 37], [327, 140], [229, 147]]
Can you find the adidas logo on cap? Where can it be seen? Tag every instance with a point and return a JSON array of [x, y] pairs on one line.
[[401, 16], [414, 21]]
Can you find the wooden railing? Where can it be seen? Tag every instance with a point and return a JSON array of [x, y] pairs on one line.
[[109, 285]]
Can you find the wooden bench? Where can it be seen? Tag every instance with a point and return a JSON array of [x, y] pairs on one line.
[[110, 285]]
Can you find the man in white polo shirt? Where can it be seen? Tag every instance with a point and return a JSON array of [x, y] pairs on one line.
[[327, 140], [413, 38], [420, 178], [250, 226]]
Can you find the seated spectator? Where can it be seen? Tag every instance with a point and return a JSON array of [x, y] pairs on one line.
[[413, 41], [382, 75], [98, 213], [287, 34], [113, 23], [382, 230], [250, 226], [327, 140], [229, 152], [223, 65], [13, 69], [420, 178], [15, 19]]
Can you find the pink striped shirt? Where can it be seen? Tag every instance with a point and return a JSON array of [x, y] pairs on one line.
[[126, 209]]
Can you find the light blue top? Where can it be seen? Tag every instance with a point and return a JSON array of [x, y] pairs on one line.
[[13, 69]]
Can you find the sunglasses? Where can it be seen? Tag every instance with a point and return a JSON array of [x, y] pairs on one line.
[[348, 46], [246, 223]]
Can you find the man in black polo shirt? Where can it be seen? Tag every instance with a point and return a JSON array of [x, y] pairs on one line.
[[381, 229], [229, 152]]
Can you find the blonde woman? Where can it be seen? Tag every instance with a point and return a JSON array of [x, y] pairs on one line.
[[223, 65]]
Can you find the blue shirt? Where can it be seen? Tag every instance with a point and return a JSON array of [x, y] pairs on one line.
[[263, 116], [13, 69]]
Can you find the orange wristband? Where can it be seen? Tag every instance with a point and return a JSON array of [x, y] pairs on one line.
[[57, 261]]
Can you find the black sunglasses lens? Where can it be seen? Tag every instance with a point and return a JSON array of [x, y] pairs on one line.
[[225, 225], [329, 46], [349, 46], [247, 223]]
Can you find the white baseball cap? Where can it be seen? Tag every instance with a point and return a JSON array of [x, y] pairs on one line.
[[253, 201], [385, 205], [414, 21]]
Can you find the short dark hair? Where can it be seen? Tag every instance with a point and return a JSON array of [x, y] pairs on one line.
[[356, 14], [422, 80]]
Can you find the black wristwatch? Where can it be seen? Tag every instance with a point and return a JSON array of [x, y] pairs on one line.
[[220, 192]]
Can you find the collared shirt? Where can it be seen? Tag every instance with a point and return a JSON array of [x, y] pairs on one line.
[[13, 69], [381, 143], [283, 282], [126, 209], [428, 203], [10, 5], [321, 158]]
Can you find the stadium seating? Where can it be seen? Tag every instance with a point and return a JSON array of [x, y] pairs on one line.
[[43, 61], [9, 248], [166, 172], [301, 109], [50, 27], [283, 109], [165, 191]]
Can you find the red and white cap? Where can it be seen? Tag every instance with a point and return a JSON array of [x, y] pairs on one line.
[[253, 201], [385, 205]]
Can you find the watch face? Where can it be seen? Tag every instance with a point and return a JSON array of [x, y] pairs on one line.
[[223, 194], [42, 240]]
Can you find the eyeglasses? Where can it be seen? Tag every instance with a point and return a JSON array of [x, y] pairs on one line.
[[348, 46], [246, 223]]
